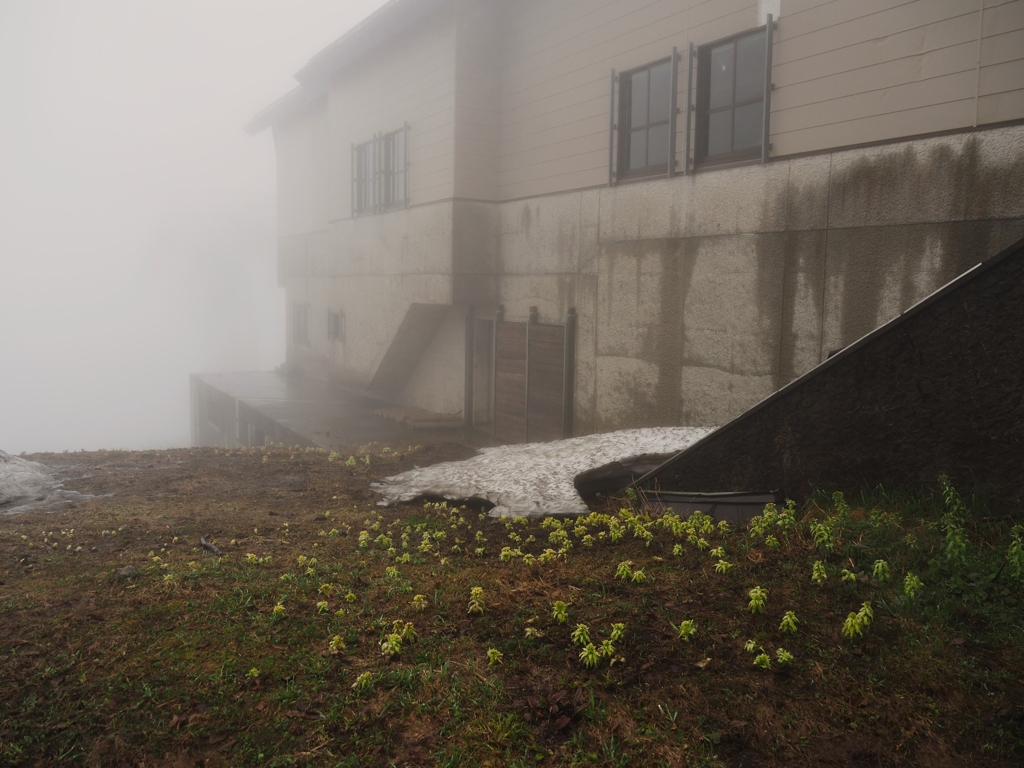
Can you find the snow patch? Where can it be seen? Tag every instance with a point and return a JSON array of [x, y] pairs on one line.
[[27, 485], [536, 478]]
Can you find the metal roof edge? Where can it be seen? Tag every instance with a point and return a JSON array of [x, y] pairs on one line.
[[387, 21]]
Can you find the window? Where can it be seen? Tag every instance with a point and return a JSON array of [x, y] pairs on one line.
[[300, 324], [645, 119], [335, 326], [379, 175], [730, 98], [364, 177]]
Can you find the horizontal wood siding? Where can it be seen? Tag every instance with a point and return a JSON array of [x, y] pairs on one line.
[[547, 363], [410, 79], [556, 57], [510, 382], [873, 70]]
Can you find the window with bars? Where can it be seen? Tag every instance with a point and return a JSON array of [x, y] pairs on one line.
[[380, 173], [730, 98], [645, 119]]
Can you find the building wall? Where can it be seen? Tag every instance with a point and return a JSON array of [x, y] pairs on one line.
[[411, 79], [851, 73], [557, 59], [845, 73], [700, 295], [369, 268]]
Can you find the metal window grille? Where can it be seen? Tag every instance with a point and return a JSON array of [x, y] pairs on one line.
[[645, 119], [394, 189], [364, 178], [380, 173], [731, 97], [642, 130]]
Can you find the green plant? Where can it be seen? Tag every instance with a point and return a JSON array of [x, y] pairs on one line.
[[351, 461], [856, 623], [590, 656], [617, 632], [722, 567], [476, 601], [758, 599], [391, 646], [495, 657], [560, 612], [607, 649], [1015, 554], [823, 533], [581, 635], [783, 657], [532, 633], [789, 622], [763, 661], [912, 585], [419, 602], [846, 575], [718, 552], [336, 645], [405, 630], [881, 571], [750, 646], [818, 575], [363, 682], [687, 629], [638, 576], [624, 570]]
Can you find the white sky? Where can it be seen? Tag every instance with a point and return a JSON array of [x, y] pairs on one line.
[[137, 219]]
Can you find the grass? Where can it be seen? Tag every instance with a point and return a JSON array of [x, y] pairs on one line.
[[188, 662]]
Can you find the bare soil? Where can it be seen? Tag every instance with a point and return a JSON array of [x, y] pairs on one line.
[[185, 659]]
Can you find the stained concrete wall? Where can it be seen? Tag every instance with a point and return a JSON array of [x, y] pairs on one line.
[[700, 295]]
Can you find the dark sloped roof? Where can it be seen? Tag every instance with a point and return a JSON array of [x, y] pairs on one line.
[[390, 19]]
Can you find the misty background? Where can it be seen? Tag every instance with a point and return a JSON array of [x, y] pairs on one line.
[[137, 219]]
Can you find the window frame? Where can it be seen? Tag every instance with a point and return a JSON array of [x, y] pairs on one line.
[[703, 112], [380, 173], [625, 128]]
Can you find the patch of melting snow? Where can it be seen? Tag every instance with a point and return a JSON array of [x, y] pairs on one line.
[[27, 485], [536, 478]]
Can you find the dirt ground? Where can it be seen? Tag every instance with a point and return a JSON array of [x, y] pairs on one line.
[[153, 668]]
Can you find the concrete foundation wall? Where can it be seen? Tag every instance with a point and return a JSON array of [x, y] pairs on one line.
[[438, 381], [701, 295], [369, 269]]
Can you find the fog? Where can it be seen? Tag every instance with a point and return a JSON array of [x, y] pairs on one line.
[[137, 219]]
